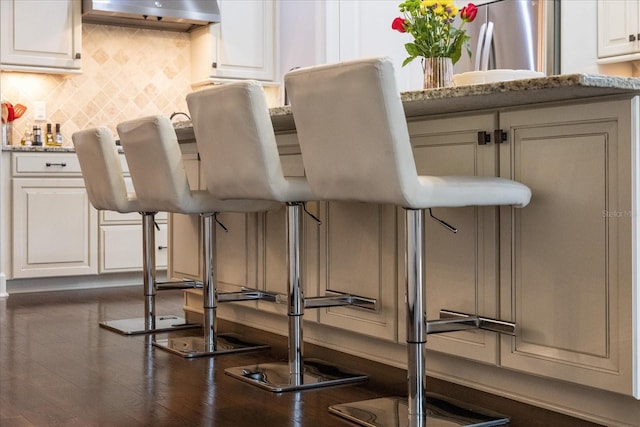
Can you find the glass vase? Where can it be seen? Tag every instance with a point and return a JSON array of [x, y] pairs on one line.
[[438, 72]]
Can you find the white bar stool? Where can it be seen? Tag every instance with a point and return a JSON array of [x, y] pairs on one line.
[[160, 180], [238, 150], [104, 180], [355, 147]]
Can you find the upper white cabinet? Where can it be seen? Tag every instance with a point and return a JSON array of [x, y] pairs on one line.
[[242, 46], [618, 28], [41, 35]]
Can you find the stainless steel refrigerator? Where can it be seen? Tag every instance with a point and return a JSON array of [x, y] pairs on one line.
[[514, 34]]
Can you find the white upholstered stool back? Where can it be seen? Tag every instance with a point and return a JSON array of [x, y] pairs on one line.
[[355, 142], [102, 171], [157, 170], [237, 144]]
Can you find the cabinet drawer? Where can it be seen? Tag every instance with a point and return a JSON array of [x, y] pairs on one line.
[[111, 217], [121, 248], [39, 164]]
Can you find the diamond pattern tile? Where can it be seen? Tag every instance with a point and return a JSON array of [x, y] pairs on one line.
[[126, 73]]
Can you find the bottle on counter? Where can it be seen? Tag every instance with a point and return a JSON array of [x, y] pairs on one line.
[[27, 138], [58, 135], [37, 135], [49, 141]]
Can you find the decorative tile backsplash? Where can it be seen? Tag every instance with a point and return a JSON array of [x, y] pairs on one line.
[[126, 73]]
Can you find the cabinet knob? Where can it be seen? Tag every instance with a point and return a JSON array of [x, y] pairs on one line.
[[78, 55], [484, 138], [214, 65], [632, 37], [500, 136]]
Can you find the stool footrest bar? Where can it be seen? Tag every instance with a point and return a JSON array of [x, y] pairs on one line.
[[341, 299], [178, 284], [486, 323], [249, 295]]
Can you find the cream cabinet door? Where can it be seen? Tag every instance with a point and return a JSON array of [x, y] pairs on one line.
[[618, 27], [460, 268], [121, 248], [566, 262], [44, 34], [55, 228], [185, 237], [242, 46]]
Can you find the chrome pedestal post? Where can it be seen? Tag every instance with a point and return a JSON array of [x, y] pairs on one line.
[[297, 373], [419, 409], [150, 323], [211, 343]]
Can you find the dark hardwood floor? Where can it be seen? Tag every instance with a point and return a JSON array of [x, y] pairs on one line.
[[58, 368]]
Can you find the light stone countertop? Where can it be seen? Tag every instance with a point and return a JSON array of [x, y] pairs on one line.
[[497, 95]]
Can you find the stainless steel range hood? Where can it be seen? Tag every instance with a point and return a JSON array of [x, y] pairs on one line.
[[170, 15]]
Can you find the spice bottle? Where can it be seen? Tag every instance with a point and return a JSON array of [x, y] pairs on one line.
[[37, 135], [58, 135]]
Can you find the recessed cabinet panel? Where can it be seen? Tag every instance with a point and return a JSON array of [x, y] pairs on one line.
[[122, 248], [23, 24], [460, 268], [236, 251], [364, 264], [566, 267], [618, 27], [241, 46], [55, 228], [185, 237]]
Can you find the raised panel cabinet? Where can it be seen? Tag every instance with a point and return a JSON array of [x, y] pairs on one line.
[[566, 259], [460, 268], [618, 28], [242, 46], [54, 228], [41, 35]]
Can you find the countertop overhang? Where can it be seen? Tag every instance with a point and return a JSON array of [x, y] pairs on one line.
[[461, 99]]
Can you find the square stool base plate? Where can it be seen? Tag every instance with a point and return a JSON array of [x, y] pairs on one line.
[[275, 377], [441, 412], [136, 326], [190, 347]]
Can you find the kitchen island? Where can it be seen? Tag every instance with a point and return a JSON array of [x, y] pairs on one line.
[[563, 268]]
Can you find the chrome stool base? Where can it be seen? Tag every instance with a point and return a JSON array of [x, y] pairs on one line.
[[190, 347], [136, 326], [440, 412], [275, 377]]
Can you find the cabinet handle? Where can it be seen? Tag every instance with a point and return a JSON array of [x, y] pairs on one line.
[[49, 164], [78, 55], [500, 136], [632, 37], [162, 247], [484, 138]]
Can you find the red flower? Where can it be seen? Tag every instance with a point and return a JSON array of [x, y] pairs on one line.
[[398, 24], [469, 12]]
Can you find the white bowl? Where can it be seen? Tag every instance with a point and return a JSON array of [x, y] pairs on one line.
[[492, 76]]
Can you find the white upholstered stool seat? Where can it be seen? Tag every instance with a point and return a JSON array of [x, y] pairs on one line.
[[355, 146], [238, 150], [107, 190], [160, 181]]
